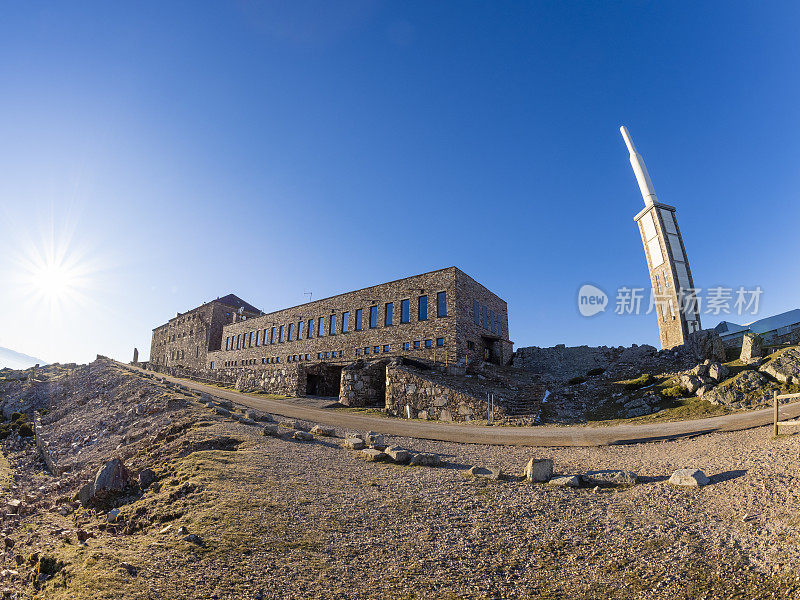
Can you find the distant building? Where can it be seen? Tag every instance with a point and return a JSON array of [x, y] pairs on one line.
[[777, 329], [186, 339]]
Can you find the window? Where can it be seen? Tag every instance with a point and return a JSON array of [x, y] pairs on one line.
[[405, 345], [319, 355], [386, 348], [497, 325], [373, 317], [423, 308], [476, 312], [326, 355], [376, 349], [345, 322], [227, 343], [272, 336], [306, 356], [250, 340], [439, 342], [404, 310], [388, 318], [238, 340], [417, 346], [212, 364], [428, 344], [491, 320], [484, 318], [666, 281], [366, 350], [300, 330], [310, 333], [441, 304], [258, 338], [358, 351], [332, 328], [294, 357], [280, 335], [359, 319], [321, 330]]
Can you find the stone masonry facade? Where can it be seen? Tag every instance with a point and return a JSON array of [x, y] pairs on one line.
[[444, 317], [186, 339]]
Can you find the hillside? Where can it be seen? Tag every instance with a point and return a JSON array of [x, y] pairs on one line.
[[16, 360], [208, 506]]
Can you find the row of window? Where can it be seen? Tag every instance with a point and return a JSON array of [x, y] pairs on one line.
[[305, 329], [178, 354], [335, 354], [486, 318]]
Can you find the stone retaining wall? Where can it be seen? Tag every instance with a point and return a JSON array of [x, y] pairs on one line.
[[429, 398], [363, 383]]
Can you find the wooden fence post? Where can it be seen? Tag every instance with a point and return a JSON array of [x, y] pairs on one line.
[[775, 400]]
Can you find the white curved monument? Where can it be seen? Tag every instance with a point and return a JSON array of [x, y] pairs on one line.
[[670, 275]]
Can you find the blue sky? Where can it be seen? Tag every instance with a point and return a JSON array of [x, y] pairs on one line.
[[176, 152]]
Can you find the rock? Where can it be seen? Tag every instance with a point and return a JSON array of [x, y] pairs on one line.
[[112, 515], [752, 347], [426, 459], [222, 411], [689, 478], [14, 506], [749, 389], [111, 480], [146, 477], [423, 415], [718, 372], [704, 344], [704, 389], [539, 470], [700, 370], [691, 382], [566, 481], [302, 436], [609, 478], [323, 431], [354, 444], [132, 571], [398, 455], [289, 424], [785, 368], [373, 455], [483, 473], [376, 440], [194, 539], [83, 535], [182, 530], [271, 431], [84, 495]]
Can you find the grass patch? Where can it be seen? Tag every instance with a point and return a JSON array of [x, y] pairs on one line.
[[640, 382]]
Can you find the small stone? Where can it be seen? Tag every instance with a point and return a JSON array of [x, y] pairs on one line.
[[354, 444], [539, 470], [271, 431], [398, 455], [376, 440], [610, 478], [146, 478], [566, 481], [323, 431], [302, 436], [483, 473], [426, 459], [689, 478], [289, 424], [194, 539], [222, 411], [373, 455], [182, 530], [112, 515]]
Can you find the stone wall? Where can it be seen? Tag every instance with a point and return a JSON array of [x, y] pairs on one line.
[[562, 362], [364, 384], [430, 398]]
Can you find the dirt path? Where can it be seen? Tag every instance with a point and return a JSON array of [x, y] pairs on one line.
[[507, 436]]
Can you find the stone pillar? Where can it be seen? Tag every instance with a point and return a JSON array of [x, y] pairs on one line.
[[135, 356]]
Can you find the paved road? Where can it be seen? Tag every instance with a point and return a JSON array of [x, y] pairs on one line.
[[507, 436]]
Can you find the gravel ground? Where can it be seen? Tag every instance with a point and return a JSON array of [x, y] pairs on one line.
[[286, 519]]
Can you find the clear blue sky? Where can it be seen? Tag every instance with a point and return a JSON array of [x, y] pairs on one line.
[[177, 152]]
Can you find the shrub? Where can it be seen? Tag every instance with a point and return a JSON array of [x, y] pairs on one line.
[[25, 430], [597, 371], [16, 416], [48, 565], [635, 384], [576, 380], [675, 392]]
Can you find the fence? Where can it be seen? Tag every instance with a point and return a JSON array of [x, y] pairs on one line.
[[776, 401]]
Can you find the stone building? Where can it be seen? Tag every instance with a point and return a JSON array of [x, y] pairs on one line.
[[187, 338], [671, 278], [443, 317]]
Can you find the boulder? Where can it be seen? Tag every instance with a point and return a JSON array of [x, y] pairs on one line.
[[222, 411], [272, 431], [323, 431], [704, 344], [700, 370], [113, 479], [146, 478], [689, 478], [749, 389], [609, 477], [354, 443], [718, 372], [373, 455], [752, 347], [426, 459], [539, 470], [290, 424], [483, 473], [785, 368], [376, 440], [398, 455], [566, 481], [302, 436], [691, 383]]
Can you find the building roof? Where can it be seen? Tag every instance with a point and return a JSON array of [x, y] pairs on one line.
[[791, 317], [236, 302]]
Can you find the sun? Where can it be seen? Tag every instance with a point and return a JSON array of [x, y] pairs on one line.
[[54, 281]]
